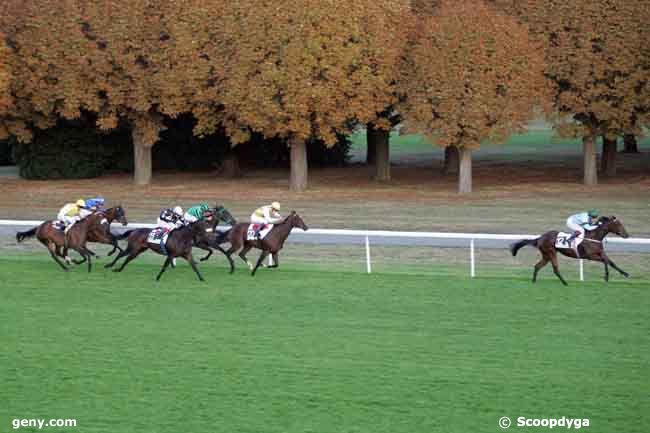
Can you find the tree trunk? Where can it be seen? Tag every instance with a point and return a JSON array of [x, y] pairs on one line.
[[298, 178], [608, 159], [631, 145], [230, 165], [141, 160], [371, 144], [451, 160], [465, 172], [590, 166], [382, 152]]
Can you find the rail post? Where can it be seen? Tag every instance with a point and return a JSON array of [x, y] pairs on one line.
[[582, 270], [368, 265], [472, 268]]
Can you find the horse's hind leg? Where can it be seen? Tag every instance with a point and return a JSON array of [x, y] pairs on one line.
[[119, 256], [259, 261], [168, 260], [208, 249], [128, 259], [53, 252], [539, 265], [230, 261], [556, 269]]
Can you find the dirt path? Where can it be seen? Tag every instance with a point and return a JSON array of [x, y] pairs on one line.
[[509, 197]]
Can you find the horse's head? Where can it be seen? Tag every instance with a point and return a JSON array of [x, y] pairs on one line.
[[222, 214], [295, 221], [200, 229], [613, 225], [119, 214]]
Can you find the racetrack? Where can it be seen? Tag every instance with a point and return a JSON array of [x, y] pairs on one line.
[[301, 349], [334, 239]]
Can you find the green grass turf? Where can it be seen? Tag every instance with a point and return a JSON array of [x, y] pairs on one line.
[[304, 350], [535, 141]]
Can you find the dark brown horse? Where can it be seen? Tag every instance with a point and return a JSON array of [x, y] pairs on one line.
[[272, 242], [57, 242], [100, 232], [591, 247], [179, 244], [218, 213]]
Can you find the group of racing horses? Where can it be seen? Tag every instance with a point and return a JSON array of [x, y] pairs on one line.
[[205, 235]]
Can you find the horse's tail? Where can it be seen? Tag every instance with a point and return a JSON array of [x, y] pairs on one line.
[[514, 248], [123, 235], [21, 236]]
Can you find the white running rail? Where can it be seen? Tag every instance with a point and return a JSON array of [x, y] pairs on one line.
[[367, 235]]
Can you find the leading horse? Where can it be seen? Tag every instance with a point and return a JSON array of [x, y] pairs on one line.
[[591, 247]]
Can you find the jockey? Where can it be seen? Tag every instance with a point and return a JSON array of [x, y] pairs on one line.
[[197, 212], [92, 205], [171, 219], [581, 222], [70, 213], [264, 215]]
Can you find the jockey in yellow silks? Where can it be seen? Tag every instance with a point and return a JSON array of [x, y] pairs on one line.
[[70, 213], [269, 214]]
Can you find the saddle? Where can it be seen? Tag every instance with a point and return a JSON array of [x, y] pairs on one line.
[[562, 240], [59, 225], [158, 236]]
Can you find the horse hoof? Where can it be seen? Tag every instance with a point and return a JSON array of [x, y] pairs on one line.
[[626, 275]]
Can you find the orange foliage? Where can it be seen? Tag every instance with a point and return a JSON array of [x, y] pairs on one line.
[[598, 60], [472, 74], [303, 68]]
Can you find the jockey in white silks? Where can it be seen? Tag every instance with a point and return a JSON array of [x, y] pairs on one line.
[[171, 219], [581, 222], [264, 215]]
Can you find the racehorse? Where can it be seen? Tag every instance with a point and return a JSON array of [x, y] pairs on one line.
[[591, 247], [272, 242], [100, 232], [179, 244], [218, 213], [55, 239]]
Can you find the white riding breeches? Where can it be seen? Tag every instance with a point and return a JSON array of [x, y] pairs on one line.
[[575, 226]]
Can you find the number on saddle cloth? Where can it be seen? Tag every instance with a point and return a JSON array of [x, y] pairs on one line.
[[563, 240], [258, 231]]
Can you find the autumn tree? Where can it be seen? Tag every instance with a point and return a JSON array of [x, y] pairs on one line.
[[597, 65], [6, 101], [473, 74], [304, 69]]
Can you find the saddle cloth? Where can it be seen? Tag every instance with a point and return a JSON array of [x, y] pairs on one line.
[[250, 233], [562, 240], [158, 236]]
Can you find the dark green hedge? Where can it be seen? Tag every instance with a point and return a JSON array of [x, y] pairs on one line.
[[6, 152], [78, 150], [63, 153]]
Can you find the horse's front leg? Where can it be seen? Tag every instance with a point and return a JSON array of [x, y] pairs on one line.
[[607, 260], [242, 255], [276, 262]]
